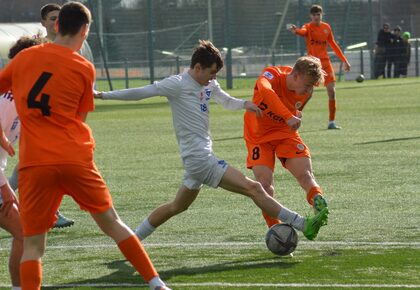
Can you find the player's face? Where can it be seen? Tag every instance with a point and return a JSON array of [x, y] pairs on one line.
[[205, 75], [49, 22], [304, 85], [316, 18]]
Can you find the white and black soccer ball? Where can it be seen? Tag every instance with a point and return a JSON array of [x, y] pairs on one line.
[[281, 239], [360, 78]]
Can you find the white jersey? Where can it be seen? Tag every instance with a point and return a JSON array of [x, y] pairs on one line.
[[10, 124], [189, 102]]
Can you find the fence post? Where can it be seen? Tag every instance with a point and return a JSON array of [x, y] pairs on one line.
[[126, 73], [177, 65], [273, 58], [361, 62], [417, 57]]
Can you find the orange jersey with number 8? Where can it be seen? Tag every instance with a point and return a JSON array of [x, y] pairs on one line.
[[48, 102], [277, 103]]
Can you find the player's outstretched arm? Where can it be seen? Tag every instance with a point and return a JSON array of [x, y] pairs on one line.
[[134, 94]]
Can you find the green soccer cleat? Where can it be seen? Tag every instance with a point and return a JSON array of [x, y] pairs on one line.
[[319, 203], [314, 223], [62, 221]]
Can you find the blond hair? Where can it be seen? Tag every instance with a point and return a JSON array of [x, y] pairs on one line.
[[311, 67]]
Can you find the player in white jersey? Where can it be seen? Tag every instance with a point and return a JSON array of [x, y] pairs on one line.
[[9, 214], [189, 95]]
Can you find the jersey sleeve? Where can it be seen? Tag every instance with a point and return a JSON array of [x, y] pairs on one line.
[[226, 100], [270, 100], [334, 46], [133, 94], [302, 31]]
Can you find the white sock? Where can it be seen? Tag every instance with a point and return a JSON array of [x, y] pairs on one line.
[[144, 230], [16, 288], [331, 122], [291, 218], [155, 282]]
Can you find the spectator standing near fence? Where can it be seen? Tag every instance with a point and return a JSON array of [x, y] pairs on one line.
[[397, 51], [382, 50], [318, 36], [405, 55]]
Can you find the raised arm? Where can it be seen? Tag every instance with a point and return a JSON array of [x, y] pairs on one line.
[[273, 107], [298, 31]]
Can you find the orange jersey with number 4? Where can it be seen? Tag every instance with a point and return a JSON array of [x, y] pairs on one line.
[[317, 40], [277, 103], [48, 102]]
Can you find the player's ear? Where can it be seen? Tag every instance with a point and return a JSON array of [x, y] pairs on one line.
[[198, 67], [85, 30]]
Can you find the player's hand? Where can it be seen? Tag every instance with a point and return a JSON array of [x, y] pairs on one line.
[[251, 107], [5, 144], [294, 123], [97, 94], [347, 66], [292, 28], [9, 200]]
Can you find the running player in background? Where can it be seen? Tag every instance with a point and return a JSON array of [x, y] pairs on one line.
[[318, 36], [189, 96], [49, 15], [56, 145], [282, 92]]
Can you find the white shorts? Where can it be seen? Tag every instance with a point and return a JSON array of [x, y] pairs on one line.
[[199, 171]]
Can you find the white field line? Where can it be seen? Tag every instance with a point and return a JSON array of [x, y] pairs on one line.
[[238, 285], [305, 244]]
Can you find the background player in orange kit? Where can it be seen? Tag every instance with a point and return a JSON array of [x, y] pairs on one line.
[[56, 145], [281, 92], [318, 35]]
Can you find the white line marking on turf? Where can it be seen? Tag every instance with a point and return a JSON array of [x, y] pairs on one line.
[[306, 244], [236, 285]]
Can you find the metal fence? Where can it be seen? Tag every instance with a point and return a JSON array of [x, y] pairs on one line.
[[151, 39]]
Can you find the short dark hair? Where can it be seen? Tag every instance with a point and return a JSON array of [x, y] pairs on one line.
[[73, 15], [48, 8], [25, 42], [397, 28], [315, 9], [206, 54]]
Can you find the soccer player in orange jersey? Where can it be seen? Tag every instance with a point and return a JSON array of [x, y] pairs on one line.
[[318, 36], [281, 92], [56, 145]]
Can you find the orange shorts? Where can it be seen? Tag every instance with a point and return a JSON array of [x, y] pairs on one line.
[[265, 153], [328, 68], [41, 189]]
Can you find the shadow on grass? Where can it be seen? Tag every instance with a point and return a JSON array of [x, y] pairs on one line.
[[387, 140], [125, 272]]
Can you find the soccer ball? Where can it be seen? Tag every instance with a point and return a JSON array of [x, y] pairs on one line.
[[360, 78], [281, 239]]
